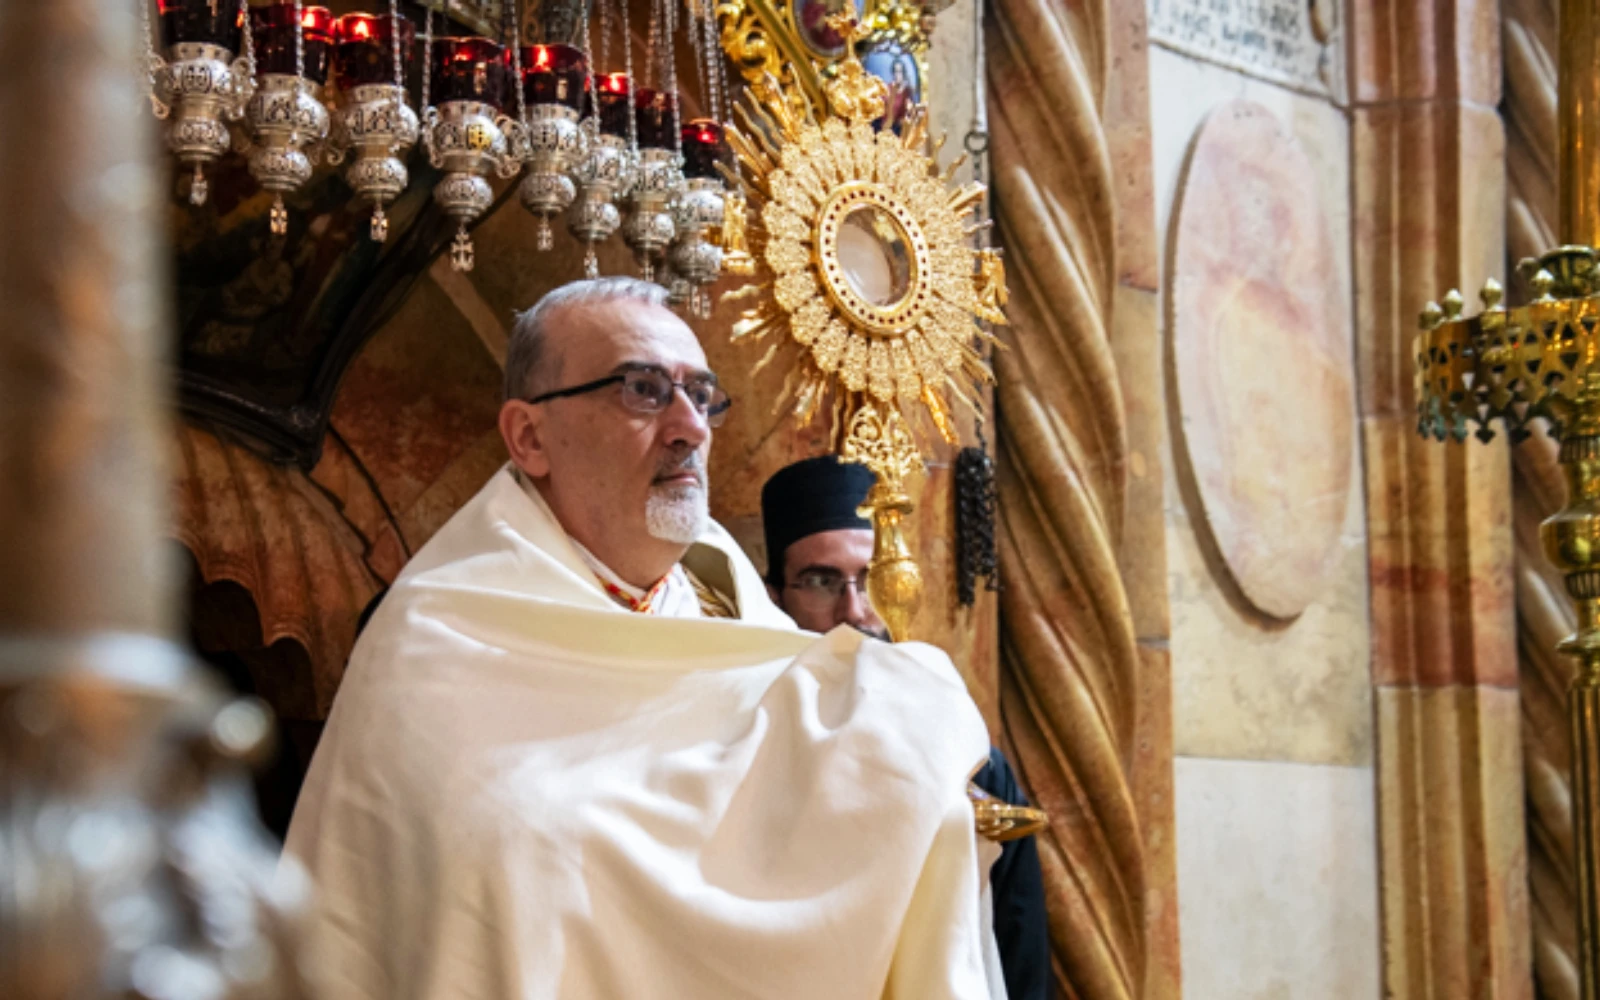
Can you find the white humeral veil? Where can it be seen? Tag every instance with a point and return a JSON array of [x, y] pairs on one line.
[[524, 792]]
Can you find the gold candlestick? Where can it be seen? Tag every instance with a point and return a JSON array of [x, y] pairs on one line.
[[1541, 360]]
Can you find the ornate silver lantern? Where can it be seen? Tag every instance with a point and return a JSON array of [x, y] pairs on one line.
[[466, 134], [285, 117], [702, 207], [649, 228], [694, 258], [202, 84], [607, 170], [373, 125], [553, 78]]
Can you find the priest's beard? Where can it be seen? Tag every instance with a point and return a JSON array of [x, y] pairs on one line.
[[677, 512]]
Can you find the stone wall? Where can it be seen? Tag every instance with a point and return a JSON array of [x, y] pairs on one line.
[[1266, 542]]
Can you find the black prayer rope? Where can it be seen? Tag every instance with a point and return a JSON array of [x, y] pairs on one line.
[[975, 514]]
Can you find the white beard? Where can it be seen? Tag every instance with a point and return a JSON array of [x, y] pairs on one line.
[[676, 514]]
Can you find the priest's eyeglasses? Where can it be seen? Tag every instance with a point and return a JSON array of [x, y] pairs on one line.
[[648, 389], [822, 588]]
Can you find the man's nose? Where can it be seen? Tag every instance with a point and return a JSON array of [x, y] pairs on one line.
[[854, 608], [682, 424]]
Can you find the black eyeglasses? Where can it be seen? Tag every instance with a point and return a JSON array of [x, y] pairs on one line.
[[648, 389], [824, 587]]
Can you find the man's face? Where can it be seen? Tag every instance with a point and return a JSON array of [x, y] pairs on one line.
[[627, 485], [825, 581]]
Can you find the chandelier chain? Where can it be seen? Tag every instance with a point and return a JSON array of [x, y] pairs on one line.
[[149, 45], [627, 63], [513, 39], [592, 123], [652, 53], [605, 44], [299, 44], [399, 74], [670, 10], [718, 65], [249, 38], [695, 45], [427, 57]]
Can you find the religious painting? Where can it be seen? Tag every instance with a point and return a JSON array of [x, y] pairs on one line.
[[811, 23], [896, 66]]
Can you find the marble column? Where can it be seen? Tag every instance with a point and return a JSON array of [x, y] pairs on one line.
[[1429, 186]]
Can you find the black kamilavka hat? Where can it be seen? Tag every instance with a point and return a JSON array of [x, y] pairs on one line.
[[810, 496]]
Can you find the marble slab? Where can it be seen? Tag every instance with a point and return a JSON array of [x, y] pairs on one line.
[[1277, 881]]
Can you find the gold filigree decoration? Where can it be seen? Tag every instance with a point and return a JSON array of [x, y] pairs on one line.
[[878, 439]]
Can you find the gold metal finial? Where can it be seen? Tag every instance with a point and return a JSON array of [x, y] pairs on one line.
[[1452, 303], [1431, 316], [1541, 283], [1492, 294]]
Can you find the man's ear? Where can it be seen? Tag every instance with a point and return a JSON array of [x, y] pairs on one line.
[[521, 427]]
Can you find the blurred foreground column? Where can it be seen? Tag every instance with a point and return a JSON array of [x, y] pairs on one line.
[[130, 864]]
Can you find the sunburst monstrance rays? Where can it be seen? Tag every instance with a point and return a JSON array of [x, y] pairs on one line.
[[808, 183]]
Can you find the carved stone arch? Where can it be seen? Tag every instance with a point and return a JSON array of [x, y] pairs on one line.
[[277, 577]]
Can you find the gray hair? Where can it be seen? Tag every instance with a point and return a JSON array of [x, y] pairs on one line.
[[529, 365]]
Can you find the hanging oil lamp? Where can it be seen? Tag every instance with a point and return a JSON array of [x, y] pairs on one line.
[[606, 171], [204, 81], [553, 78], [695, 260], [649, 227], [285, 117], [466, 131], [373, 124]]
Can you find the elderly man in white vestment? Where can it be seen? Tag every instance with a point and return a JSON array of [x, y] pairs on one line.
[[579, 754]]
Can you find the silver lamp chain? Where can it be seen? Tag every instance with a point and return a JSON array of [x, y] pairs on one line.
[[605, 45], [249, 38], [399, 74], [593, 122], [427, 58], [149, 46], [652, 47], [514, 39], [627, 64], [717, 71], [671, 26], [695, 44], [299, 44]]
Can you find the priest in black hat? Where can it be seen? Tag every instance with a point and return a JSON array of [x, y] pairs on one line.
[[818, 550]]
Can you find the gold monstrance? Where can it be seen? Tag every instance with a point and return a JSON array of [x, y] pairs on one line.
[[865, 276], [1542, 359], [865, 281]]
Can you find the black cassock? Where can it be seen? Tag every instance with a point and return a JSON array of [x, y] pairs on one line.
[[1019, 918]]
